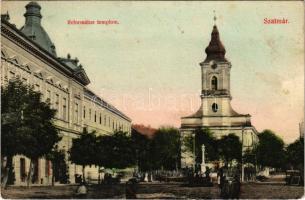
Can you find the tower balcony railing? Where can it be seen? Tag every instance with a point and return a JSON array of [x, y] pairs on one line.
[[215, 92]]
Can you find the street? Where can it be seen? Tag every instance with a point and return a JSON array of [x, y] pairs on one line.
[[156, 191]]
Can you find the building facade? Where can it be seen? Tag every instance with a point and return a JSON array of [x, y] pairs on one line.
[[29, 54], [216, 112]]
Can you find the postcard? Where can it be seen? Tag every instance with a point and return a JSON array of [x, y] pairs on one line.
[[152, 99]]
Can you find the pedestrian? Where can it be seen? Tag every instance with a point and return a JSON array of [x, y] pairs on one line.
[[82, 191], [130, 190]]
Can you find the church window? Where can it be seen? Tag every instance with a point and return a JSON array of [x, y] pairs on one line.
[[214, 83], [214, 107], [214, 66]]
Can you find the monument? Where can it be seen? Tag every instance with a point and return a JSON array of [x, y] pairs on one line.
[[203, 167]]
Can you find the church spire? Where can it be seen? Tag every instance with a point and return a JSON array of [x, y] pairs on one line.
[[215, 50]]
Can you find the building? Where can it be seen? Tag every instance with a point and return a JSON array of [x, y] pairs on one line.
[[216, 112], [29, 53]]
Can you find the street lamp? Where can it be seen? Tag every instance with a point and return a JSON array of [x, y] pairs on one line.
[[194, 149], [242, 152]]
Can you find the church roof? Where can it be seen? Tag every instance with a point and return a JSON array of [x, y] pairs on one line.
[[33, 29], [215, 50]]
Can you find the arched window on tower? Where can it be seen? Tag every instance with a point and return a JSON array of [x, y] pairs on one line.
[[214, 83]]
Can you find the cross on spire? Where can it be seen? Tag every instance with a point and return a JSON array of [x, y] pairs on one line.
[[214, 17]]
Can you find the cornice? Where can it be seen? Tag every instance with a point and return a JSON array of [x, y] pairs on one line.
[[13, 34]]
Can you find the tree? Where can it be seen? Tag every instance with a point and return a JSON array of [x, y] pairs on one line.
[[115, 151], [165, 149], [84, 150], [230, 148], [59, 166], [27, 124], [142, 150], [202, 137], [205, 137], [249, 156], [270, 150], [295, 154]]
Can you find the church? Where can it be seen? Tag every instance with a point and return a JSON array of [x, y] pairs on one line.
[[216, 112]]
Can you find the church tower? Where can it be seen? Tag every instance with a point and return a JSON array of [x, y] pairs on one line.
[[216, 112]]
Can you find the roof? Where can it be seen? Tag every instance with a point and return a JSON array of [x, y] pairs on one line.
[[101, 102], [215, 50], [199, 114], [144, 130], [33, 28]]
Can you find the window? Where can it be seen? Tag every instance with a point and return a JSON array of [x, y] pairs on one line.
[[214, 107], [64, 109], [76, 113], [12, 75], [57, 103], [214, 83], [89, 114], [37, 87], [47, 168], [105, 120], [49, 96], [100, 118], [22, 170], [94, 116], [84, 112], [112, 125]]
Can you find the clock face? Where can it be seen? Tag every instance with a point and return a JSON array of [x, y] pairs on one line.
[[214, 66]]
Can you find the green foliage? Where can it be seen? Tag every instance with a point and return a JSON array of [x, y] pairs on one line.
[[27, 122], [59, 165], [270, 150], [230, 148], [205, 137], [109, 151], [249, 157], [115, 151], [165, 148], [142, 150], [160, 152], [83, 151], [295, 154], [188, 142]]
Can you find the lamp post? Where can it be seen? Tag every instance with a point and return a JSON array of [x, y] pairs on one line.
[[242, 152], [194, 150]]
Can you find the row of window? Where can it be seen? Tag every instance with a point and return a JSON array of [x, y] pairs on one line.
[[61, 105], [23, 172], [106, 121]]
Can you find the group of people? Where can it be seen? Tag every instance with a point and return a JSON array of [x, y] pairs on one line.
[[228, 180]]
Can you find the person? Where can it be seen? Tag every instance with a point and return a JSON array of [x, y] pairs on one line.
[[130, 190], [82, 190], [219, 176]]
